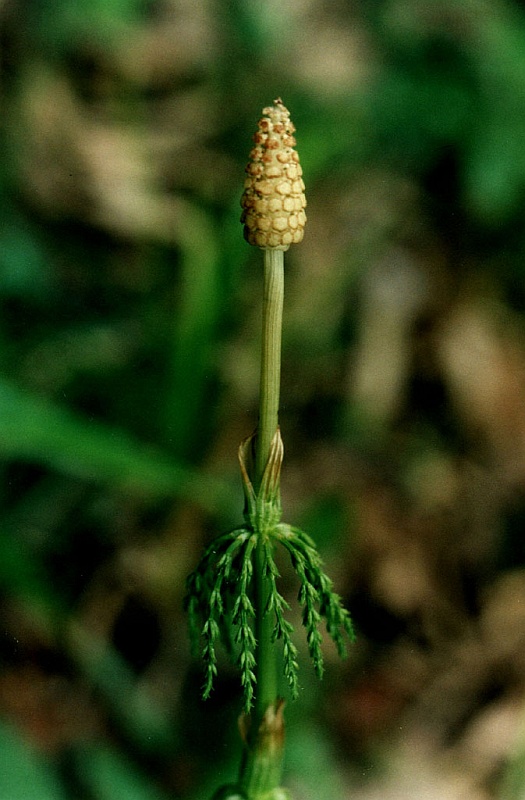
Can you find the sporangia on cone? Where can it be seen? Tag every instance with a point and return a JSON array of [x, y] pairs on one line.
[[273, 200]]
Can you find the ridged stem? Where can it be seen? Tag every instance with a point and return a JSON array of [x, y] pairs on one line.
[[268, 421], [262, 766], [272, 320]]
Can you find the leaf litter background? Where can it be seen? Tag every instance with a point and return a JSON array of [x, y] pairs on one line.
[[129, 330]]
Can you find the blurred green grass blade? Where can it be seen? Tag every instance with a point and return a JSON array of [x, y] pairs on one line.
[[312, 764], [25, 775], [65, 21], [109, 775], [326, 517], [143, 721], [22, 576], [36, 430], [350, 142], [513, 784], [197, 315], [495, 164], [23, 267]]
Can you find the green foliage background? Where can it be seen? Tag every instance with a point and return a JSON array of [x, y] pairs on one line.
[[129, 331]]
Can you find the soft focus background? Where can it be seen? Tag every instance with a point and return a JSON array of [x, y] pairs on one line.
[[129, 336]]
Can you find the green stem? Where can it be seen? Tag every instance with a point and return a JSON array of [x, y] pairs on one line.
[[270, 357], [268, 422], [262, 766]]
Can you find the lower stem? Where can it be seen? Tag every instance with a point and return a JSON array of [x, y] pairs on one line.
[[261, 768]]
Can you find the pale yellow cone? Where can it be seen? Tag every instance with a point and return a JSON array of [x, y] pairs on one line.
[[273, 200]]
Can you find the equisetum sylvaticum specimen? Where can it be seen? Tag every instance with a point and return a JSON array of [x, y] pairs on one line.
[[233, 595]]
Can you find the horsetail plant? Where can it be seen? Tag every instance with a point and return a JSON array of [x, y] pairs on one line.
[[233, 595]]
